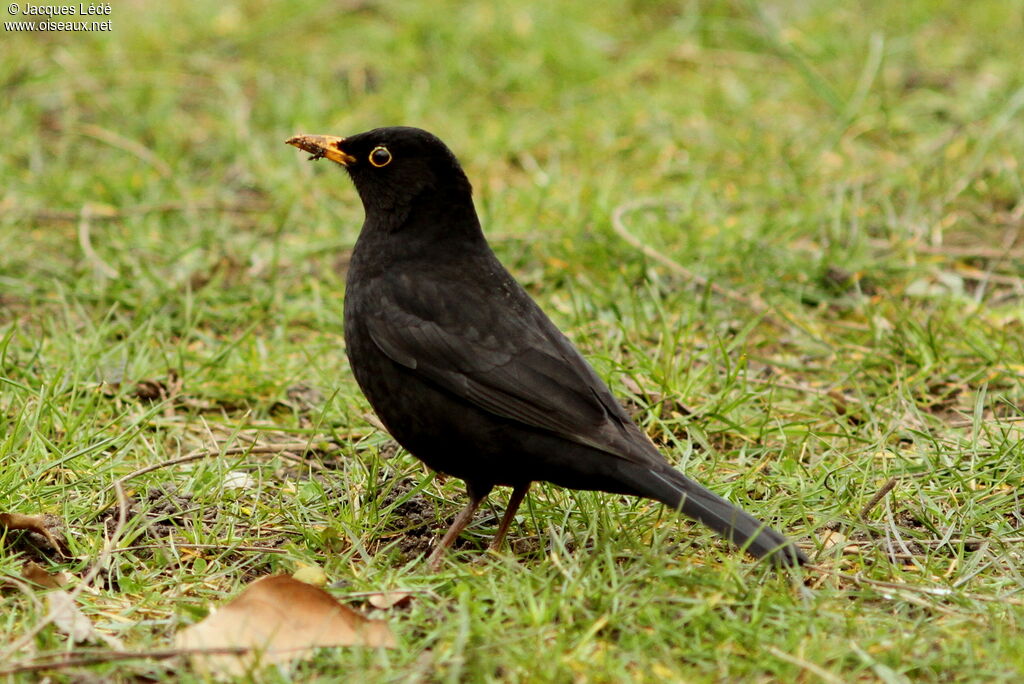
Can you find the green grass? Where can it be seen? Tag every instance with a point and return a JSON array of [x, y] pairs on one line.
[[855, 166]]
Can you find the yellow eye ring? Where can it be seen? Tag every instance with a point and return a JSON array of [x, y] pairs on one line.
[[380, 156]]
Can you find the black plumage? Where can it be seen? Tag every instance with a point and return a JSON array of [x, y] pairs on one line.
[[465, 370]]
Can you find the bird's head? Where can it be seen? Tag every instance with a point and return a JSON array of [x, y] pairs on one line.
[[393, 168]]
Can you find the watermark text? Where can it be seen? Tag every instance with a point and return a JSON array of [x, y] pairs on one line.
[[76, 17]]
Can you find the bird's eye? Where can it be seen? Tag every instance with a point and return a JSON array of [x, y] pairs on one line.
[[380, 156]]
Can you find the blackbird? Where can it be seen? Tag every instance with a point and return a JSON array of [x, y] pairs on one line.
[[465, 370]]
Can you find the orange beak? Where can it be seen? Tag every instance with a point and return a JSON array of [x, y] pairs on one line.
[[321, 146]]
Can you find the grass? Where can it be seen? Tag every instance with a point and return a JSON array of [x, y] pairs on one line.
[[853, 166]]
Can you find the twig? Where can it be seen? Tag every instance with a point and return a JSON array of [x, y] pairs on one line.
[[879, 495], [24, 588], [969, 422], [955, 541], [68, 216], [752, 301], [207, 453], [364, 594], [315, 465], [806, 665], [128, 145], [801, 387], [898, 586], [953, 251], [795, 386], [84, 223], [619, 226], [1008, 241], [222, 547], [65, 660], [893, 533], [373, 420], [987, 276], [101, 562]]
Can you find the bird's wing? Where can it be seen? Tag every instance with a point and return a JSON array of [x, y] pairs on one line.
[[511, 361]]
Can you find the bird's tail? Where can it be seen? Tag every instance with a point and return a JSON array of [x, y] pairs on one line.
[[674, 489]]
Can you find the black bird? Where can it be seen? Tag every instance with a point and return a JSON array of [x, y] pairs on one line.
[[465, 370]]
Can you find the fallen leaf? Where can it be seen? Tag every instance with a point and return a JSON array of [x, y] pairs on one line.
[[38, 575], [18, 521], [311, 574], [281, 619], [239, 480], [832, 538], [30, 523], [68, 618], [389, 599]]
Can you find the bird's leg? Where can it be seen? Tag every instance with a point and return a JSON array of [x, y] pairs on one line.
[[518, 494], [461, 520]]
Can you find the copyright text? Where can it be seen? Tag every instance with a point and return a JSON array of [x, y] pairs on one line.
[[90, 13]]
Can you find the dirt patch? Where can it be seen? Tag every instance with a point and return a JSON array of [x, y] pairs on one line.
[[411, 520], [414, 525], [166, 512]]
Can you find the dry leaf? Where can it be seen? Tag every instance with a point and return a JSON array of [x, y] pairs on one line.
[[282, 619], [68, 618], [389, 599], [30, 523], [239, 480], [833, 538], [311, 574], [38, 575]]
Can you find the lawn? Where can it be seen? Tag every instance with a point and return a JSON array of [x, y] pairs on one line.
[[788, 235]]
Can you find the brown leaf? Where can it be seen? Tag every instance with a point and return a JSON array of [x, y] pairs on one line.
[[389, 599], [281, 619], [18, 521], [830, 539], [833, 538], [30, 523], [38, 575]]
